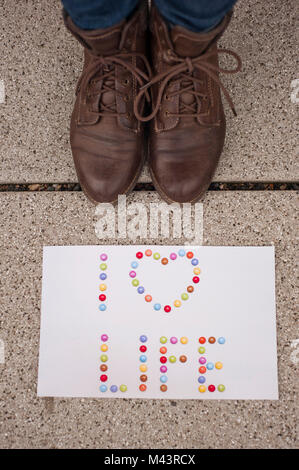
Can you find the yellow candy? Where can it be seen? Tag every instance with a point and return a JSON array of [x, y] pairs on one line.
[[218, 365], [184, 340], [103, 287], [196, 271], [202, 388], [177, 303], [104, 347], [143, 368]]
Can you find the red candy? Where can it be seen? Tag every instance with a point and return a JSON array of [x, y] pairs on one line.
[[163, 359], [195, 279], [189, 254], [143, 348], [167, 308], [103, 378], [211, 388], [202, 340], [102, 297], [139, 255], [202, 369]]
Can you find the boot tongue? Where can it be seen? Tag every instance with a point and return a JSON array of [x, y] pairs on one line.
[[103, 42], [187, 43]]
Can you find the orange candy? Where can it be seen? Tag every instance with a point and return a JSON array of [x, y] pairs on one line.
[[183, 358], [148, 298], [163, 388], [163, 350], [142, 387], [148, 252], [164, 260]]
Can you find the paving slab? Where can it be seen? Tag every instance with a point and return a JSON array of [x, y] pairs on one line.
[[29, 221], [41, 62]]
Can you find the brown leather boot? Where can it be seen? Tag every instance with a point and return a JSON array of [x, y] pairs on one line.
[[106, 138], [188, 123]]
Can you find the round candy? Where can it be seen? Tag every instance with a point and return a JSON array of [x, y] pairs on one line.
[[103, 276], [211, 388], [143, 338], [201, 379], [148, 298], [132, 273], [103, 266], [194, 262], [173, 256], [103, 378], [212, 340], [173, 340], [185, 296], [163, 369], [142, 358], [143, 348], [163, 379], [177, 303], [157, 255], [104, 358], [164, 261], [221, 340], [218, 365], [189, 254], [201, 350], [195, 279], [184, 340], [135, 282], [104, 347], [103, 287], [183, 358], [202, 388], [221, 388], [102, 307], [143, 368], [202, 340], [202, 360], [196, 271], [139, 255], [190, 289], [143, 378], [103, 388], [148, 252], [172, 359], [182, 252], [163, 388], [104, 337], [140, 290], [157, 306], [210, 366], [163, 339], [113, 388], [103, 257], [103, 367], [142, 387], [123, 388], [163, 359], [134, 264], [167, 308], [163, 350], [102, 297], [202, 370]]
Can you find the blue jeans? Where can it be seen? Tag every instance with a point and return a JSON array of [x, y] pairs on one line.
[[195, 15]]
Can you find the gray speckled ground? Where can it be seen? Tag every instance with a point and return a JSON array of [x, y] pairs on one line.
[[40, 64], [29, 221]]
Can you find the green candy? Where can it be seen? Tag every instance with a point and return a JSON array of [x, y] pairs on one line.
[[221, 388], [123, 388], [185, 296], [201, 350], [104, 358], [135, 282], [156, 255], [103, 266], [163, 339], [172, 359]]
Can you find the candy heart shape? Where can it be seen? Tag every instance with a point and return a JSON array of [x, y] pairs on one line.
[[189, 256]]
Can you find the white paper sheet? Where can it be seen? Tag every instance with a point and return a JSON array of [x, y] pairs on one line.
[[234, 299]]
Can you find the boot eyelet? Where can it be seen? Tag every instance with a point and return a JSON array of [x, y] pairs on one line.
[[126, 82], [166, 113], [126, 98]]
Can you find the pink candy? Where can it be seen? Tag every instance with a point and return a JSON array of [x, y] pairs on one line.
[[132, 273], [172, 256]]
